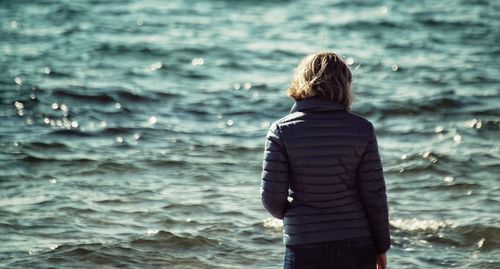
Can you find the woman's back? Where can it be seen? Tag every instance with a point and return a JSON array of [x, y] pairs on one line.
[[322, 172], [325, 148]]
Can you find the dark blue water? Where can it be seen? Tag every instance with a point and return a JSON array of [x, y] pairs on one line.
[[131, 132]]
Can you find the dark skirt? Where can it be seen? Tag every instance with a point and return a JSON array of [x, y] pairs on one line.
[[357, 253]]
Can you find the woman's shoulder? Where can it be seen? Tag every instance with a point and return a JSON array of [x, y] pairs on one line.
[[360, 119], [292, 119], [301, 120], [299, 116]]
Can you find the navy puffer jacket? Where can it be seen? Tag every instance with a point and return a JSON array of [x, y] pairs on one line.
[[323, 176]]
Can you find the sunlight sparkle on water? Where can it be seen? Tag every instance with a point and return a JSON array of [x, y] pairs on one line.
[[247, 85], [480, 243], [152, 120], [18, 105], [64, 107], [272, 223], [265, 124], [66, 123], [421, 224], [156, 66], [474, 123], [429, 156], [448, 179], [197, 61]]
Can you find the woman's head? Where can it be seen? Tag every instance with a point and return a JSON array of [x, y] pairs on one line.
[[323, 75]]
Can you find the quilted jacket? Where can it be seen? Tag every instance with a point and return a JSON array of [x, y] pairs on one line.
[[322, 175]]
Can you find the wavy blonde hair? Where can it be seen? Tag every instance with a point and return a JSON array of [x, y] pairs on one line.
[[324, 75]]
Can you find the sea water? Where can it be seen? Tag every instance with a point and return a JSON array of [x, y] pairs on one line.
[[131, 132]]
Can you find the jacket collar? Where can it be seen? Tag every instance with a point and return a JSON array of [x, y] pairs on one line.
[[316, 104]]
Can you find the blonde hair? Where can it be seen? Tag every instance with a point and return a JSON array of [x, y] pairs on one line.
[[324, 75]]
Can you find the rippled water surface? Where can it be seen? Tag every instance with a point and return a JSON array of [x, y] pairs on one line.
[[131, 132]]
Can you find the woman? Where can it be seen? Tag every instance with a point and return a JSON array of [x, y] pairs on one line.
[[323, 176]]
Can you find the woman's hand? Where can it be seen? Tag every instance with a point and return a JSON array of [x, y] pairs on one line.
[[381, 261]]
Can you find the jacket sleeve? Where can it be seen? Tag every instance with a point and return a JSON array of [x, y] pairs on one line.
[[275, 179], [371, 186]]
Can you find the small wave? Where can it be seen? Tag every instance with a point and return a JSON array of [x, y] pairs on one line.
[[125, 95], [483, 236], [133, 97], [477, 236], [366, 25], [113, 95], [273, 224], [448, 232], [422, 225], [165, 163], [446, 103], [491, 125], [116, 201], [187, 207], [446, 24], [71, 132], [77, 210], [85, 255], [168, 240], [117, 167], [118, 130], [99, 98], [59, 74], [43, 146], [431, 104], [120, 49], [39, 159]]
